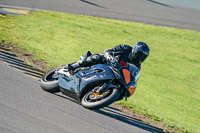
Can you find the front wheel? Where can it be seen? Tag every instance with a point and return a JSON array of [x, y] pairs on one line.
[[93, 100]]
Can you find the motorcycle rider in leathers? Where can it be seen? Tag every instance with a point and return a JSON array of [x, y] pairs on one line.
[[117, 55]]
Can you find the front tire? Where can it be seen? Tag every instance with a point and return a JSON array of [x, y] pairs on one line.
[[49, 83], [103, 101]]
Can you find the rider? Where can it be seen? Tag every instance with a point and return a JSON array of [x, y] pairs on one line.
[[124, 53]]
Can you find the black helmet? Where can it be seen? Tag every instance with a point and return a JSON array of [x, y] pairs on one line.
[[139, 53]]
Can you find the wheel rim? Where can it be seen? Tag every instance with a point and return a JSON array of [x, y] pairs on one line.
[[94, 96], [51, 77]]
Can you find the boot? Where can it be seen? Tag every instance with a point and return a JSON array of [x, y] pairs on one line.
[[72, 67]]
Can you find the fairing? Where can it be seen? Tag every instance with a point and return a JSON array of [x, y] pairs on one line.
[[130, 77], [85, 80]]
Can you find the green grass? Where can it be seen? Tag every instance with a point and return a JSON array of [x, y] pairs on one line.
[[169, 89]]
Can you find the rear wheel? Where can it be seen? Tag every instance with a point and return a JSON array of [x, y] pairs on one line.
[[49, 81], [93, 100]]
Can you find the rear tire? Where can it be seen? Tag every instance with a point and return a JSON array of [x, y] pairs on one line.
[[48, 83], [111, 97]]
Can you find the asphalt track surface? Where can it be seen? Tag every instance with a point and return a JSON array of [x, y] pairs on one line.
[[26, 108], [145, 11]]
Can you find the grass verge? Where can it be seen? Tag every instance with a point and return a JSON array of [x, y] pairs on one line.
[[169, 89]]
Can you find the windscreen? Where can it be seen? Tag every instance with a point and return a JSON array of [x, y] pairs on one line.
[[134, 71]]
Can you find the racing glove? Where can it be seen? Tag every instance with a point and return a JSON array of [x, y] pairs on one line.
[[111, 59]]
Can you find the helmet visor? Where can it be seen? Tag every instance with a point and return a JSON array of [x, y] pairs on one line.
[[139, 57]]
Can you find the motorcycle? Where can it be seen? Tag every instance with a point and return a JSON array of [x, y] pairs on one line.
[[96, 86]]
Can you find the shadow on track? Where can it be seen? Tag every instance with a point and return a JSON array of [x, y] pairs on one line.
[[118, 115], [93, 4], [159, 3]]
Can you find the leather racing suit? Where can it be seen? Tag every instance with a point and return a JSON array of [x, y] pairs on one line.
[[121, 52]]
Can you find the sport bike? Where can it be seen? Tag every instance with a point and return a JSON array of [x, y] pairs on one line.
[[96, 86]]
